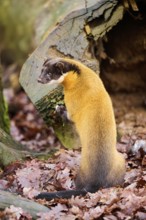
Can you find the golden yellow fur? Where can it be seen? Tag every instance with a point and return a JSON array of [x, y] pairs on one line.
[[89, 107]]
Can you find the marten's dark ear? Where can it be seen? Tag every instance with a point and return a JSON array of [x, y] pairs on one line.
[[60, 65]]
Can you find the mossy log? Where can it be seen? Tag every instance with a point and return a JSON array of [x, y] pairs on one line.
[[84, 23], [7, 199]]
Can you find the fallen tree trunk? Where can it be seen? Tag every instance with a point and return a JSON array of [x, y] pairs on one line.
[[78, 35], [7, 199]]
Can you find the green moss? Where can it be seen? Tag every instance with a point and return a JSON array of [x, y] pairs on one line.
[[4, 118], [63, 128], [46, 106]]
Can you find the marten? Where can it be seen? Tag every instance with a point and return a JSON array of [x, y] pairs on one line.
[[90, 108]]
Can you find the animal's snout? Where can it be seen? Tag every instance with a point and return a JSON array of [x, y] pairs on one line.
[[42, 80], [39, 80]]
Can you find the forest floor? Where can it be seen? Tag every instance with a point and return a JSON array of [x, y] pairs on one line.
[[58, 172]]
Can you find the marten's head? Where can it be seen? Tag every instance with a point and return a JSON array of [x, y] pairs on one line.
[[54, 69]]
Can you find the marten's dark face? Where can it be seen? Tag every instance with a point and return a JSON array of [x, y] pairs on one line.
[[53, 69]]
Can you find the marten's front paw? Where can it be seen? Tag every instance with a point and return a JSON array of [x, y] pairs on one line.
[[61, 111]]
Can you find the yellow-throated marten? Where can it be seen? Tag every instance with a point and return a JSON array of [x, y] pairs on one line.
[[89, 107]]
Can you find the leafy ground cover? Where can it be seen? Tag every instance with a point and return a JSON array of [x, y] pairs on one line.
[[58, 172]]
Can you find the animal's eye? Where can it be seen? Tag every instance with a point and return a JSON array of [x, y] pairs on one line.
[[60, 66], [57, 69], [46, 71]]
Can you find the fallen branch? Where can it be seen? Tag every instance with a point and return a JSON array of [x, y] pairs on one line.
[[7, 199]]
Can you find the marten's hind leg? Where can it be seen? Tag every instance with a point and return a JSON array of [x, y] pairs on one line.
[[82, 183]]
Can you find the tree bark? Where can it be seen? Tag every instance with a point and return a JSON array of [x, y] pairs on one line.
[[78, 36], [4, 119], [10, 150]]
